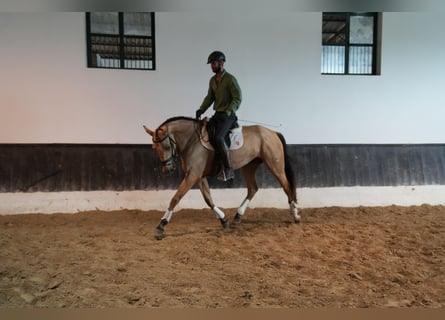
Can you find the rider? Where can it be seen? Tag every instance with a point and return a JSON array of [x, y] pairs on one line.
[[225, 94]]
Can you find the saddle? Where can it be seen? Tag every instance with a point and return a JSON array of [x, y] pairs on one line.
[[234, 139]]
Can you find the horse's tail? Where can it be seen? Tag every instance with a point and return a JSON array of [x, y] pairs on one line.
[[290, 175]]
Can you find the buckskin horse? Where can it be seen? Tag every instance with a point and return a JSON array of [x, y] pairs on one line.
[[180, 137]]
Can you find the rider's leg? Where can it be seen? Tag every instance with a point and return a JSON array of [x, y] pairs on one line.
[[223, 124]]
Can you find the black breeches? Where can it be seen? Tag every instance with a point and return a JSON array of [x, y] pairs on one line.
[[223, 123]]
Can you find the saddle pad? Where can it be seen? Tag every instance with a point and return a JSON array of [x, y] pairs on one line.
[[236, 138], [235, 135]]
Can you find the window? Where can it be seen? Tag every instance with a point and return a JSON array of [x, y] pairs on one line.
[[350, 43], [117, 40]]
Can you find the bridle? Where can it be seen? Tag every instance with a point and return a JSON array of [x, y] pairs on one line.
[[174, 153]]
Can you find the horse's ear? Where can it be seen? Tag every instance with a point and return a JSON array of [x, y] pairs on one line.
[[148, 131]]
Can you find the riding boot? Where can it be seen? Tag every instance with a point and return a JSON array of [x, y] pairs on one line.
[[226, 172]]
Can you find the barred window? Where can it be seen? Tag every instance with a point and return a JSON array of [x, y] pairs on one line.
[[350, 43], [121, 40]]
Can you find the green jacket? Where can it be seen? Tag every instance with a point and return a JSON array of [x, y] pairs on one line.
[[225, 97]]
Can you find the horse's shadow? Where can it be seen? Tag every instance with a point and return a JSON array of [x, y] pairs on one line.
[[264, 221], [244, 228]]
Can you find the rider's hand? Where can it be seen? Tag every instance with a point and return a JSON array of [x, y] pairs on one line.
[[199, 112]]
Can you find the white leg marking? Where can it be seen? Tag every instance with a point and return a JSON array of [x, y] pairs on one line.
[[294, 210], [168, 215], [218, 212], [242, 208]]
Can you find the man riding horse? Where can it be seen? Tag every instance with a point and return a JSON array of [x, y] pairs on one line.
[[180, 137], [225, 94]]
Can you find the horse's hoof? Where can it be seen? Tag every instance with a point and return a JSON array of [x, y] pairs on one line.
[[159, 235], [297, 219], [237, 219], [225, 224]]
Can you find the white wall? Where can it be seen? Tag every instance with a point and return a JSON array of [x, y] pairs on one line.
[[47, 95]]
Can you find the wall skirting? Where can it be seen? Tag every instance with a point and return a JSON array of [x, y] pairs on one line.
[[89, 167], [70, 177]]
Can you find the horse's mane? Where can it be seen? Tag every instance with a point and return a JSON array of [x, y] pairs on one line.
[[178, 118]]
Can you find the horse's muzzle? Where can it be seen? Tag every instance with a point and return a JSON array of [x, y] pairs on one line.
[[168, 166]]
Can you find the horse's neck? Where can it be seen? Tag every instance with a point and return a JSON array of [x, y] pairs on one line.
[[184, 135]]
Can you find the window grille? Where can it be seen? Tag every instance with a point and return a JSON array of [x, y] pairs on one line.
[[117, 40], [350, 43]]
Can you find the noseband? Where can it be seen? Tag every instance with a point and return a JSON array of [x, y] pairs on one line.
[[174, 154]]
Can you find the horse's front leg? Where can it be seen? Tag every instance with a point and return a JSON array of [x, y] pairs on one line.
[[205, 190], [186, 184]]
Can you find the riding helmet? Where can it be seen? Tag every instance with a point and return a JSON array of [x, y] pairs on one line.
[[216, 56]]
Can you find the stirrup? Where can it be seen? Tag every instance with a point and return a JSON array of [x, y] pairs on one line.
[[226, 174]]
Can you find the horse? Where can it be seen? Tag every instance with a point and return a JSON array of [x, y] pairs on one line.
[[180, 137]]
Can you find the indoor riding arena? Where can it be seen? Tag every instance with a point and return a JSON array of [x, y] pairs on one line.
[[358, 96]]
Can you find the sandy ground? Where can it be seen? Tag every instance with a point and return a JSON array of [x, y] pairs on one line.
[[337, 257]]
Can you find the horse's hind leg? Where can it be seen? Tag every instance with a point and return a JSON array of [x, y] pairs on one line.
[[291, 194], [249, 176], [205, 190], [280, 173]]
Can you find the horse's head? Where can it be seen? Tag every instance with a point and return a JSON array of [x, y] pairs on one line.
[[165, 147]]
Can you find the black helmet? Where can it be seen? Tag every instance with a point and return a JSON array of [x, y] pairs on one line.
[[216, 56]]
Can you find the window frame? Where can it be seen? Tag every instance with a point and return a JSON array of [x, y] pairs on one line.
[[121, 44], [376, 42]]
